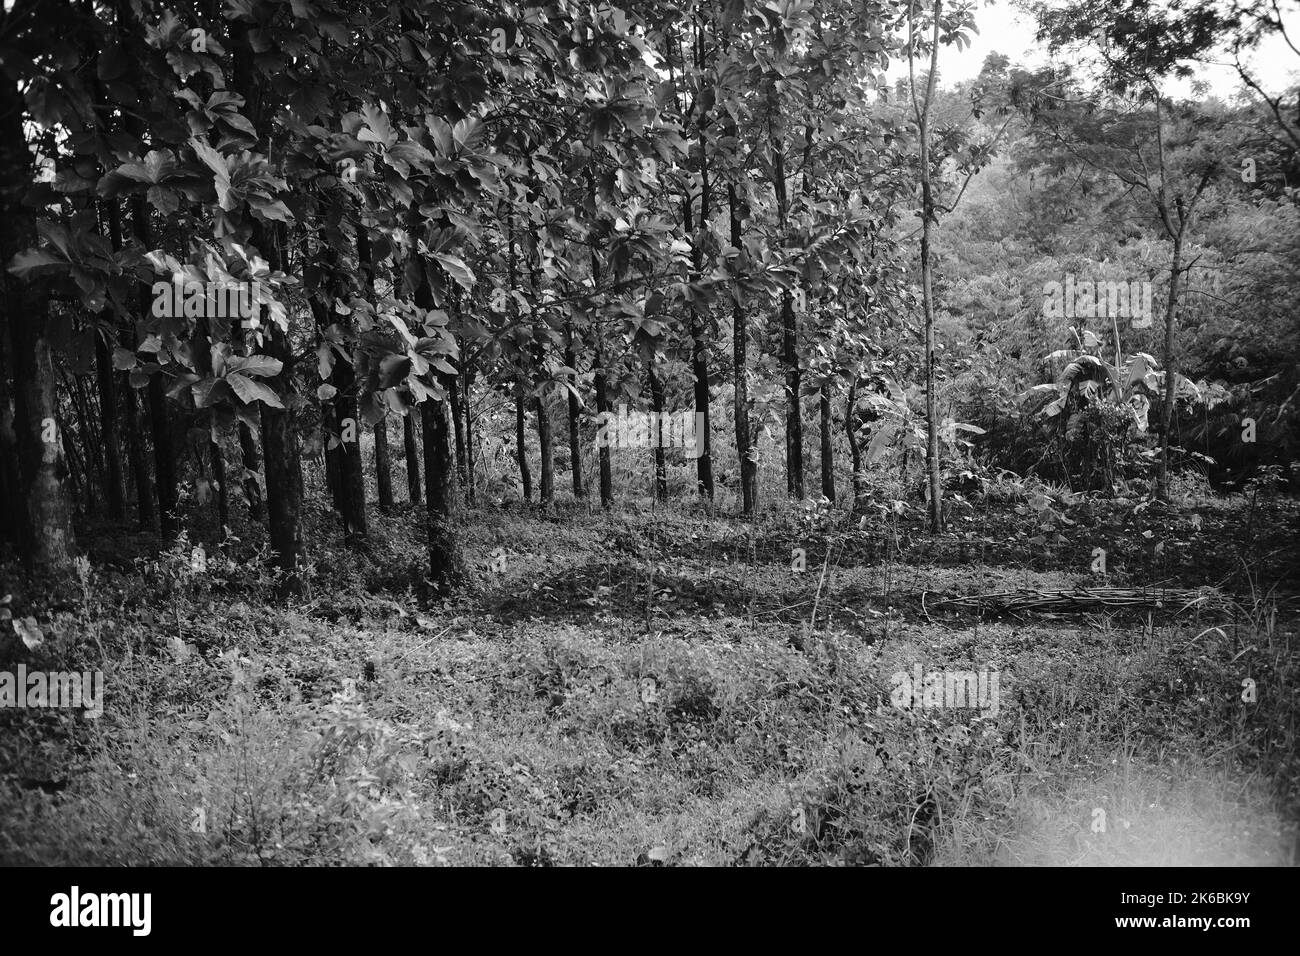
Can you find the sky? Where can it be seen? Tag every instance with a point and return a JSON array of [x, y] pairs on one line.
[[1004, 29]]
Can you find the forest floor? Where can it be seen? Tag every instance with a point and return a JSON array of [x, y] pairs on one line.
[[661, 687]]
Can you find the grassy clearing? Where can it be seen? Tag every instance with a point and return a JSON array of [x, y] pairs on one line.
[[657, 688]]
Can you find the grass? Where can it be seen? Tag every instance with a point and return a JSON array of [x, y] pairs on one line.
[[659, 687]]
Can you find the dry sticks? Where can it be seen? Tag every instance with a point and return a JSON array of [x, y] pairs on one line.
[[1172, 600]]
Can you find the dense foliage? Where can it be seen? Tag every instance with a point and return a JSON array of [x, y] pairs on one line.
[[246, 241]]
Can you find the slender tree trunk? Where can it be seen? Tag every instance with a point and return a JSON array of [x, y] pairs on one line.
[[545, 450], [855, 451], [467, 406], [545, 432], [445, 568], [139, 457], [164, 459], [282, 462], [164, 452], [219, 476], [931, 404], [281, 453], [604, 412], [1171, 378], [444, 565], [789, 343], [656, 435], [827, 450], [329, 428], [203, 365], [437, 463], [600, 376], [108, 417], [344, 423], [740, 335], [454, 398], [412, 451], [575, 445], [699, 342], [521, 444], [932, 461], [383, 467], [144, 494], [128, 29], [353, 476], [45, 520]]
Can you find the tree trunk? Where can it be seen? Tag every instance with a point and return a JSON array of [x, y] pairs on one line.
[[39, 503], [329, 427], [204, 340], [740, 334], [412, 451], [467, 407], [932, 462], [282, 462], [1171, 378], [602, 399], [545, 449], [344, 422], [219, 476], [575, 445], [352, 474], [458, 429], [521, 445], [164, 453], [699, 343], [656, 434], [281, 454], [603, 410], [855, 450], [827, 450], [383, 467], [130, 415], [127, 26], [444, 563], [46, 538], [444, 551], [108, 406], [437, 459], [164, 459], [545, 444], [789, 347], [139, 458]]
